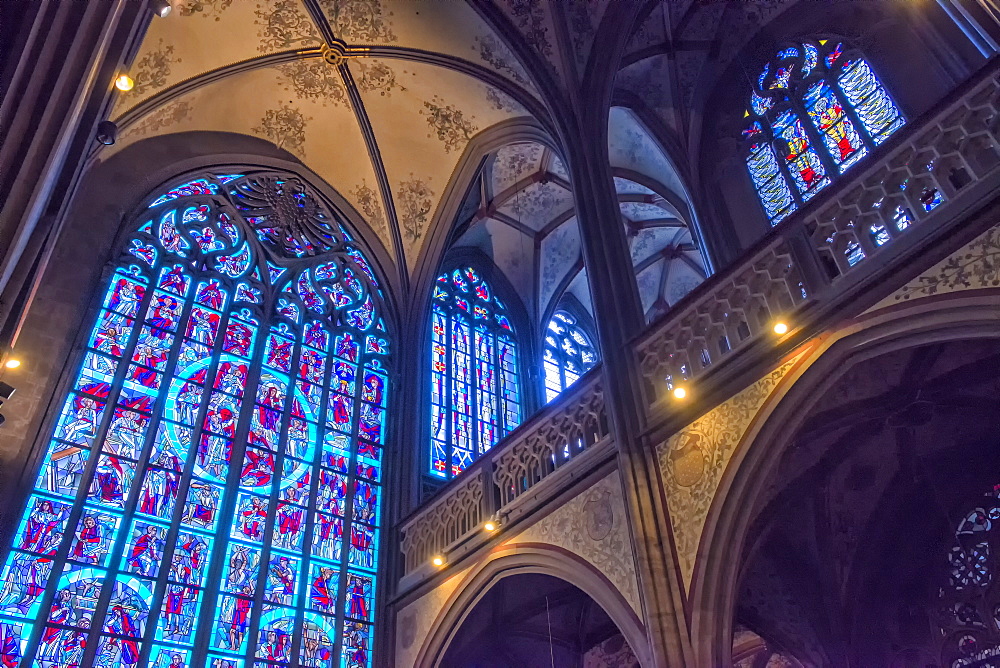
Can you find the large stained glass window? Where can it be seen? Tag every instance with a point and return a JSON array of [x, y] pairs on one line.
[[210, 494], [816, 110], [568, 353], [475, 393]]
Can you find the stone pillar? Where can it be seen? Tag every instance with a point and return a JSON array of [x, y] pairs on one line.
[[618, 316], [58, 87]]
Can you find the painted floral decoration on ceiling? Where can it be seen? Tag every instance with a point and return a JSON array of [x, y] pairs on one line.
[[206, 8], [286, 128], [371, 208], [450, 125], [415, 201], [283, 25], [153, 69], [359, 21]]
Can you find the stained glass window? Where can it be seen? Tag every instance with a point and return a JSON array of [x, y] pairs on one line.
[[967, 600], [567, 353], [210, 494], [816, 110], [475, 392]]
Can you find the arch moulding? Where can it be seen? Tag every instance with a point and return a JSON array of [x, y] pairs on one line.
[[939, 319], [520, 559]]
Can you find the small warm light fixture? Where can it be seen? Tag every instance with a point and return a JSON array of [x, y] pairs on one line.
[[680, 392], [124, 83], [161, 8], [438, 561], [13, 363], [490, 525], [780, 328]]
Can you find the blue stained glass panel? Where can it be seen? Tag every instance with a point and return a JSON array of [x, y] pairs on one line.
[[186, 374]]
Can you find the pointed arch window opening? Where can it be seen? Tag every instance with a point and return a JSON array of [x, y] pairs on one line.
[[210, 494], [567, 351], [815, 112], [475, 378]]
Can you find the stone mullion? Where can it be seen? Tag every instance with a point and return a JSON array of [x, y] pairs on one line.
[[618, 317]]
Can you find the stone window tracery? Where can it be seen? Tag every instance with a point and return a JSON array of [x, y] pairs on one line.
[[210, 494], [816, 109]]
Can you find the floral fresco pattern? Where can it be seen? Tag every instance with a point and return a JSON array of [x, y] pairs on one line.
[[415, 201], [975, 266], [206, 8], [286, 127], [368, 200], [153, 69], [694, 460], [449, 124], [592, 525], [283, 25], [359, 21], [163, 117], [315, 80]]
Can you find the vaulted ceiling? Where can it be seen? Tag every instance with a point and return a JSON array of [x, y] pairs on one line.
[[381, 98]]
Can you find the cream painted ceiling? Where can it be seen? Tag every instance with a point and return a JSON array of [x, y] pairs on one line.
[[421, 78], [257, 67]]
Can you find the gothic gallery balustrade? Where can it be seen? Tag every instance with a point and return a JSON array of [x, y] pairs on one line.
[[572, 427], [923, 176]]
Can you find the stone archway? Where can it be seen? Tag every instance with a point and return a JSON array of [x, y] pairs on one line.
[[728, 525], [561, 570]]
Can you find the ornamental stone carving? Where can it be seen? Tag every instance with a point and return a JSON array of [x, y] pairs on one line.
[[694, 459]]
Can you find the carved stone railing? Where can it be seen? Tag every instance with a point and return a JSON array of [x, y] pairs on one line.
[[509, 481], [928, 175]]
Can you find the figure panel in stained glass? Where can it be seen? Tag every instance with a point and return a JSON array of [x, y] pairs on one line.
[[323, 583], [144, 550], [44, 521], [62, 469], [282, 576], [216, 661], [61, 648], [274, 642], [169, 657], [328, 533], [178, 614], [76, 596], [232, 622], [839, 136], [316, 645], [202, 505], [190, 559], [174, 359], [360, 594], [356, 647], [24, 579], [257, 472], [158, 494], [251, 516], [803, 162], [94, 534], [289, 525], [13, 639]]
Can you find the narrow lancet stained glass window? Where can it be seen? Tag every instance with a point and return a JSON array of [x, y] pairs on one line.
[[817, 109], [475, 391], [210, 495], [568, 353]]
